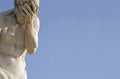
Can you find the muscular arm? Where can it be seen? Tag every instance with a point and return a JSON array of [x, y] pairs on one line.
[[31, 36], [27, 17]]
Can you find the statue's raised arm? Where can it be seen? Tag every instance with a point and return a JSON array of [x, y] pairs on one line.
[[26, 13]]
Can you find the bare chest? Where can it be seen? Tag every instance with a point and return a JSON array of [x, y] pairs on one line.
[[12, 34]]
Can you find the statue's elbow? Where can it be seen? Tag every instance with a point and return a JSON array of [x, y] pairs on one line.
[[31, 48], [31, 51]]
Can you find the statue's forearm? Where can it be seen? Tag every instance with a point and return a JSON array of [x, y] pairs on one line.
[[31, 38]]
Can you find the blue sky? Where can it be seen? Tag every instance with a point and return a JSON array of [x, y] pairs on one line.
[[78, 39]]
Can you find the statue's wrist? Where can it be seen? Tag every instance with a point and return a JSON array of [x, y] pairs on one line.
[[28, 27]]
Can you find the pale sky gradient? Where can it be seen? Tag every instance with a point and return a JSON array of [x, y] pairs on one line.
[[78, 39]]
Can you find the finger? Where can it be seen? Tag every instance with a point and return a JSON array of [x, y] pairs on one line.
[[27, 16], [25, 10], [20, 15], [21, 12], [18, 12], [29, 9], [33, 6]]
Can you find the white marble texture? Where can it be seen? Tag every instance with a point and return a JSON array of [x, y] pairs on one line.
[[18, 34]]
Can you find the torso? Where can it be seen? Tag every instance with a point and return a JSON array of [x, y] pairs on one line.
[[11, 37], [12, 49]]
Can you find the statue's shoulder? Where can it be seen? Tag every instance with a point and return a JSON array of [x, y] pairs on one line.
[[7, 13], [7, 17]]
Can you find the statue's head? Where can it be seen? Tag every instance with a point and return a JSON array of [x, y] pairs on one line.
[[19, 2], [21, 6]]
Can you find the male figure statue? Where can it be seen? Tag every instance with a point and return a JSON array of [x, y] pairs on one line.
[[18, 34]]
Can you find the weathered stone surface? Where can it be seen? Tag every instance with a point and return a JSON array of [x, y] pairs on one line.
[[18, 34]]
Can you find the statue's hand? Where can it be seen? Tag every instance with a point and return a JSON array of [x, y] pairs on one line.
[[19, 15], [26, 13]]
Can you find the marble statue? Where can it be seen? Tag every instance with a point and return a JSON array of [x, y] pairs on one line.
[[18, 34]]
